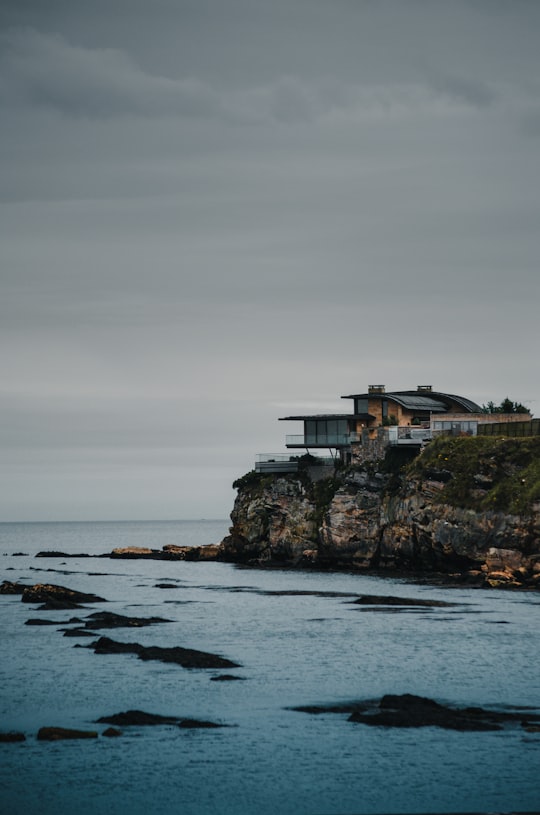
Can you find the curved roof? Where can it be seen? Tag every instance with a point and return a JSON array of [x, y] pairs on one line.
[[418, 402], [432, 401]]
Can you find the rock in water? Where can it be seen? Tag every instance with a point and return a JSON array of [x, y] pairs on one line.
[[60, 733], [57, 596], [7, 587], [186, 657], [137, 718]]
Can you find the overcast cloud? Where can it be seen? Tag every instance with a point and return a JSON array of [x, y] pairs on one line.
[[218, 212]]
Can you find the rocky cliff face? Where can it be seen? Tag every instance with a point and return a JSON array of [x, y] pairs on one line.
[[465, 507]]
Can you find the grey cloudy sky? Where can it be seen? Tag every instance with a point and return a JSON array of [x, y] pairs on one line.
[[218, 212]]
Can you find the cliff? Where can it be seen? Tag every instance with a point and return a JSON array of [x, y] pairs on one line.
[[466, 507]]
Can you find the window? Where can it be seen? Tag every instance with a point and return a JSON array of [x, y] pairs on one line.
[[326, 432], [360, 405]]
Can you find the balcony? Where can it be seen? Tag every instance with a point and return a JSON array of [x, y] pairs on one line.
[[267, 463], [413, 436], [323, 440]]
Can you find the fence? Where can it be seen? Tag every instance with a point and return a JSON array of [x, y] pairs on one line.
[[510, 429]]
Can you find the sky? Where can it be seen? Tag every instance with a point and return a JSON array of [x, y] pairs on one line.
[[215, 213]]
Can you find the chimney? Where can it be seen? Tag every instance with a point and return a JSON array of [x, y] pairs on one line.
[[376, 389], [424, 388]]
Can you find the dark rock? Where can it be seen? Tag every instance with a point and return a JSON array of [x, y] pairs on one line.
[[165, 586], [7, 587], [59, 733], [137, 718], [111, 732], [106, 619], [38, 621], [8, 738], [408, 710], [380, 600], [57, 596], [196, 723], [58, 605], [226, 678], [347, 707], [186, 657], [169, 552], [53, 553]]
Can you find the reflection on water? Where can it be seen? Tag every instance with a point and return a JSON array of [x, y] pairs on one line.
[[300, 641]]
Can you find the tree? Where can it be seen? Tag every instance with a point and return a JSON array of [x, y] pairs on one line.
[[506, 406]]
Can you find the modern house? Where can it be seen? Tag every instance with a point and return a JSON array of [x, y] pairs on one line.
[[379, 408], [380, 419]]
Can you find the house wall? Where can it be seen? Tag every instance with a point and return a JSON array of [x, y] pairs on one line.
[[483, 418], [404, 417]]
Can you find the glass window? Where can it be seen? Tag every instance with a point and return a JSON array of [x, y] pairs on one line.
[[311, 431], [342, 427]]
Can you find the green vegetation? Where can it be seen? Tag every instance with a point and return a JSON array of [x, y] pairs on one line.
[[321, 493], [484, 473], [390, 421], [506, 406], [250, 480]]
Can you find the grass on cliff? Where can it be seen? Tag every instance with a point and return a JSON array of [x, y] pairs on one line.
[[484, 473]]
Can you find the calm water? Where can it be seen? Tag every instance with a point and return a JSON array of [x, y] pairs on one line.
[[294, 650]]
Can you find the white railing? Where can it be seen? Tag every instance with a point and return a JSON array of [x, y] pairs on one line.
[[268, 463], [323, 440], [408, 435]]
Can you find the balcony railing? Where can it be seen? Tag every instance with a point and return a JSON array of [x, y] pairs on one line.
[[408, 435], [268, 463], [322, 440]]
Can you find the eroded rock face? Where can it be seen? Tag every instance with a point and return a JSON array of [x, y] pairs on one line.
[[351, 528], [275, 523], [365, 525]]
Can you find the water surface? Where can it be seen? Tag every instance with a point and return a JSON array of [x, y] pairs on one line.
[[313, 647]]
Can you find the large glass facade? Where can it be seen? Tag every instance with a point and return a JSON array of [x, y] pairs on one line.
[[328, 432]]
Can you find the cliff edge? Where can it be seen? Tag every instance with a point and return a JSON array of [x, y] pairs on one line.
[[466, 507]]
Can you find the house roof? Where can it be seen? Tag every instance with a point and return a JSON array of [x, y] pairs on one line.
[[328, 416], [435, 402]]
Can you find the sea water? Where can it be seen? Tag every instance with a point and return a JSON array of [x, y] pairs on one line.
[[300, 641]]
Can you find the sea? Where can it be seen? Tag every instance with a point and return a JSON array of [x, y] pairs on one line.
[[300, 641]]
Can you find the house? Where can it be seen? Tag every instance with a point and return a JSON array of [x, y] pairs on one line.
[[380, 419], [411, 409]]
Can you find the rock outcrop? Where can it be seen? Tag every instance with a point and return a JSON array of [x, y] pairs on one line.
[[273, 521], [408, 710], [63, 733], [466, 507]]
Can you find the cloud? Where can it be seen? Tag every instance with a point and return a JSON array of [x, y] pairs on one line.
[[47, 71], [462, 89]]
